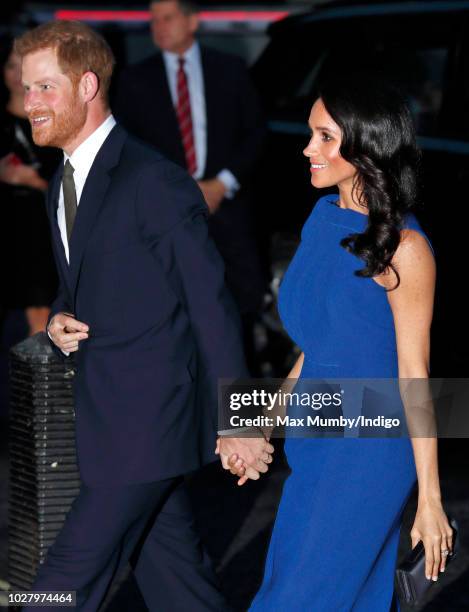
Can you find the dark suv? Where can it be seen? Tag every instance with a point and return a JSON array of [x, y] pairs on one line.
[[425, 48]]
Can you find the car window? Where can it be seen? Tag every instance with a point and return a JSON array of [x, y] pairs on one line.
[[425, 102], [419, 72]]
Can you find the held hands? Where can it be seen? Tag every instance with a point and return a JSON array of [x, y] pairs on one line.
[[245, 457], [66, 332], [432, 527]]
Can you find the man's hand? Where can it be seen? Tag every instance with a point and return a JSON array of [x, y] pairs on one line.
[[66, 332], [246, 457], [214, 192]]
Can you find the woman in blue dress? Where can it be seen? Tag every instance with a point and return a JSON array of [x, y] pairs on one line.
[[358, 299]]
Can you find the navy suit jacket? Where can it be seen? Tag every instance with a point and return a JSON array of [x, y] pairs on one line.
[[149, 282]]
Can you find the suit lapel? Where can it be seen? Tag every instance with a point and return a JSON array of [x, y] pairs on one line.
[[92, 198], [52, 206], [164, 93], [211, 107]]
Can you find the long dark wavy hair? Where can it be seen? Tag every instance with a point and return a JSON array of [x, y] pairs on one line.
[[378, 138]]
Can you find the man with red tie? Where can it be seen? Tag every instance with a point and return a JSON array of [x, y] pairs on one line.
[[199, 108]]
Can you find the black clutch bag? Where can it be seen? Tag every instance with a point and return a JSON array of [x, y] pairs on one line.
[[412, 583]]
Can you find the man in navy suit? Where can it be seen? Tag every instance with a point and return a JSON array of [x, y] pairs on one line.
[[218, 139], [143, 307]]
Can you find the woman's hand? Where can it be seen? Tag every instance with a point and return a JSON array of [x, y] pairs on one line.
[[238, 468], [37, 317], [432, 527], [20, 174]]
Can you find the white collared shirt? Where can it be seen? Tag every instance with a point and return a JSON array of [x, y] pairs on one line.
[[195, 83], [82, 159]]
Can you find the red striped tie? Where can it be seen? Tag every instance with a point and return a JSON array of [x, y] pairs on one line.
[[183, 111]]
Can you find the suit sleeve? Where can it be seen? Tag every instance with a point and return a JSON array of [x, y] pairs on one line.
[[179, 240], [60, 304]]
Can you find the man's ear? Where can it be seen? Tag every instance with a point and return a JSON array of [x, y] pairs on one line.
[[89, 86]]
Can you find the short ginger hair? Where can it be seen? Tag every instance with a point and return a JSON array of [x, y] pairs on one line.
[[79, 49]]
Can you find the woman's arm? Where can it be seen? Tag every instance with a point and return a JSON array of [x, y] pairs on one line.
[[412, 308], [287, 387], [21, 174], [296, 369], [236, 463]]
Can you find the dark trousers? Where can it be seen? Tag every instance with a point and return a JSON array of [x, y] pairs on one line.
[[149, 524]]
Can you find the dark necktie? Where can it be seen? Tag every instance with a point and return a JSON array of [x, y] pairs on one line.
[[70, 197], [183, 111]]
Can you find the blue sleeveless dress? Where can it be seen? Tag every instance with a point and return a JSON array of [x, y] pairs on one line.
[[335, 538]]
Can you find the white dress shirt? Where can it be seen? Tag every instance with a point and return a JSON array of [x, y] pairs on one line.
[[195, 83], [82, 159]]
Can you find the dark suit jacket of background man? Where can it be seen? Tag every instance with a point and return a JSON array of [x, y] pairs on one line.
[[235, 134], [147, 279]]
